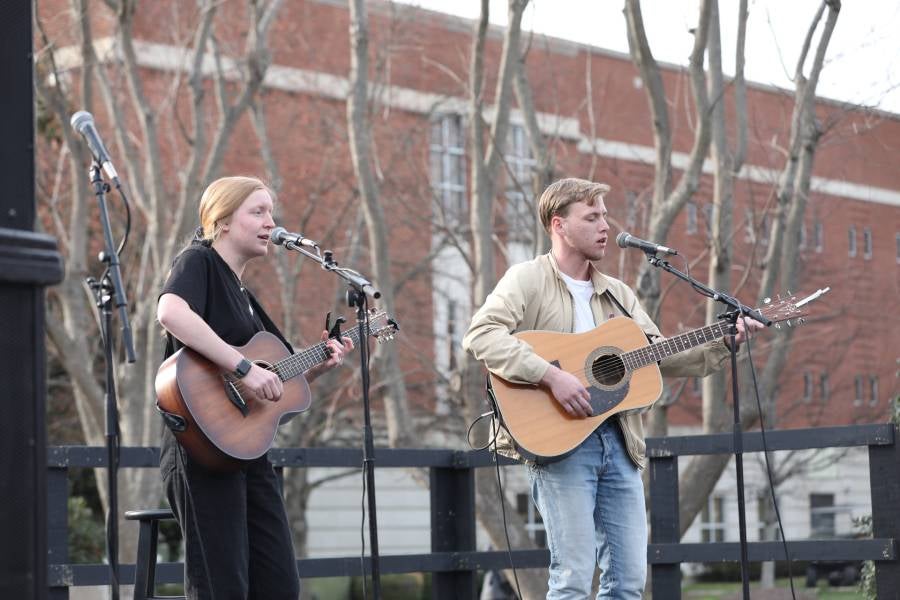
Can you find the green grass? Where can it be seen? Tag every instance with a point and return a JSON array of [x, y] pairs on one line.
[[716, 591]]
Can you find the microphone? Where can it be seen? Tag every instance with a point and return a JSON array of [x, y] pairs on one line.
[[280, 235], [626, 240], [83, 123]]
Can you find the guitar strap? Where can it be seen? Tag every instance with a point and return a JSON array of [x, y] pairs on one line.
[[622, 308], [617, 303]]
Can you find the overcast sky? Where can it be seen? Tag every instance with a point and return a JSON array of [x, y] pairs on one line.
[[862, 63]]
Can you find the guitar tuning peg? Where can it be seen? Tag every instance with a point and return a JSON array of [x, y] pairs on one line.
[[767, 300], [777, 325], [801, 321], [789, 323]]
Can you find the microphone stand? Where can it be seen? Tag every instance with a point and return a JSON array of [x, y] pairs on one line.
[[106, 292], [735, 310], [358, 291]]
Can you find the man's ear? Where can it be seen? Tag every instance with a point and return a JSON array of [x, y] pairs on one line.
[[556, 224]]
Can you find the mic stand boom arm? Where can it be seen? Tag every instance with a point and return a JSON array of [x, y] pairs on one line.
[[736, 311]]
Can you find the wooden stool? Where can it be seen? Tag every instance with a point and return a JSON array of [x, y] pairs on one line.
[[145, 563]]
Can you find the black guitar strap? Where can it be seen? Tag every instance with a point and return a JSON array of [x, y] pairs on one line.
[[622, 308], [617, 303]]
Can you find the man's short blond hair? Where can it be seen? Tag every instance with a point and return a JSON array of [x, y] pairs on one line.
[[560, 195]]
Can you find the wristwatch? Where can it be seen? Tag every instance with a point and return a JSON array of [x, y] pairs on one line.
[[242, 368]]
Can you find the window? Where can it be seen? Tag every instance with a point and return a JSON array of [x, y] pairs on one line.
[[521, 214], [821, 516], [448, 178], [753, 232], [765, 514], [534, 524], [691, 227], [858, 386], [801, 236], [851, 242], [708, 218], [824, 390], [807, 386], [873, 390], [820, 237], [867, 243], [712, 520]]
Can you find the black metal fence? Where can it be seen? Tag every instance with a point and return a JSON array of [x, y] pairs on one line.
[[666, 553], [454, 561]]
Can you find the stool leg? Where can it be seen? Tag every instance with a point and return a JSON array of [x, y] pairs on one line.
[[144, 572]]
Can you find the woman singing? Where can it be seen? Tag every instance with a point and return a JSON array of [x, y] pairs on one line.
[[237, 540]]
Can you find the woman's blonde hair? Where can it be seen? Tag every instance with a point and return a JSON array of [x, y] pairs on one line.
[[561, 194], [219, 201]]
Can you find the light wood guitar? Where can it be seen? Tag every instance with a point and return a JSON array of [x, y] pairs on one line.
[[219, 423], [617, 365]]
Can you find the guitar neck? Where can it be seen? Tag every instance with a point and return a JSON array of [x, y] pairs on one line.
[[305, 359], [674, 345]]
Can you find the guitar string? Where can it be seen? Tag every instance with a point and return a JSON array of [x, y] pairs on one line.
[[669, 347], [286, 368]]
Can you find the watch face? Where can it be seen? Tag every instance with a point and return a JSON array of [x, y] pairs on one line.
[[243, 368]]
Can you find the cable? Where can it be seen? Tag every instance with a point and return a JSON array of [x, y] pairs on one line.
[[496, 431], [362, 535], [762, 429]]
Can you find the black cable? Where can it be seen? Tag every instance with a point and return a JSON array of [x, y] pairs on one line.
[[362, 534], [762, 429], [496, 431]]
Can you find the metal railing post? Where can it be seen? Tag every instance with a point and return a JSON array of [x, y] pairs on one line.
[[665, 581], [453, 528], [884, 477]]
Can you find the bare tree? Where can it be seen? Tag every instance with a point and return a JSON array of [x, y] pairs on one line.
[[165, 204], [780, 268]]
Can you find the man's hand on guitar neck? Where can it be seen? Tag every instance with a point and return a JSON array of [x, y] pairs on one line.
[[568, 392], [745, 330]]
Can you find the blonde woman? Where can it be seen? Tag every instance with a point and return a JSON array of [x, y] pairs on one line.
[[237, 539]]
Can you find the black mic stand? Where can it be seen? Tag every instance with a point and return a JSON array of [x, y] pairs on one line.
[[735, 311], [107, 291], [359, 288]]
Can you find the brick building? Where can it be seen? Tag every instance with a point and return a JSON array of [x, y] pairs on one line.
[[843, 363]]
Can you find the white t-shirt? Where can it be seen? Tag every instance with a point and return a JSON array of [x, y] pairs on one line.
[[581, 291]]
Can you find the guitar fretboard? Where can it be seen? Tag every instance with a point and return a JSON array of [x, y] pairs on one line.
[[674, 345], [305, 359]]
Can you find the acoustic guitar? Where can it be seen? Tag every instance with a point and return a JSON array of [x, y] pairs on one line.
[[617, 365], [217, 421]]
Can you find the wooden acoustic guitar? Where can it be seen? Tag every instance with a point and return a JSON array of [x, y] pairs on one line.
[[217, 421], [617, 365]]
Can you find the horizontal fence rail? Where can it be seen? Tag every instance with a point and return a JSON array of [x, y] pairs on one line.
[[454, 562], [666, 553]]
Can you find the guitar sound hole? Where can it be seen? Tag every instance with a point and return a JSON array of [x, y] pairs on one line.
[[608, 369]]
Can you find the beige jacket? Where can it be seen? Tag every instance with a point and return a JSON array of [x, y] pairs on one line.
[[533, 296]]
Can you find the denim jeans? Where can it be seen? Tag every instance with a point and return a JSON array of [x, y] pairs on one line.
[[597, 485]]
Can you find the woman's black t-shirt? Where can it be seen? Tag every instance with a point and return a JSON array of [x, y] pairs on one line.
[[204, 280]]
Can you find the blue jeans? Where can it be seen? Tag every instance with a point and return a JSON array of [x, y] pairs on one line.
[[597, 484]]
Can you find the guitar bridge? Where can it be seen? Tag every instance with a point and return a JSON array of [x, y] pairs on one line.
[[235, 397]]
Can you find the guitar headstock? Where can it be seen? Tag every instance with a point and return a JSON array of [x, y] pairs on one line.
[[381, 326], [789, 310]]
